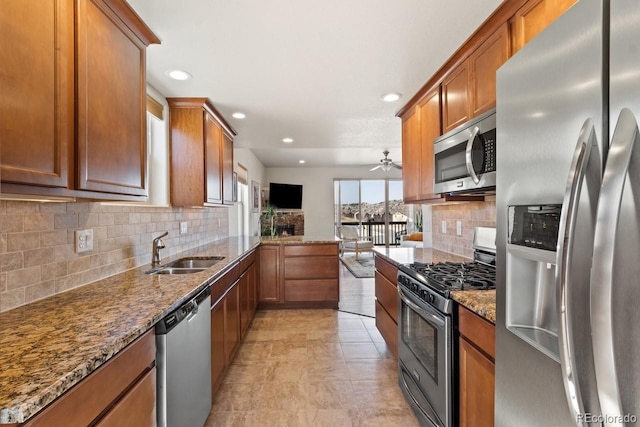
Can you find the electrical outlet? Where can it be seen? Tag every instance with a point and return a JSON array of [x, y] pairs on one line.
[[459, 228], [444, 227], [183, 227], [84, 241]]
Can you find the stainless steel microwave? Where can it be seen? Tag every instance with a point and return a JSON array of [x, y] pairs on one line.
[[465, 158]]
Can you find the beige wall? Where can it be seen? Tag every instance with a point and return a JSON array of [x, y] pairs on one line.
[[472, 214], [37, 252]]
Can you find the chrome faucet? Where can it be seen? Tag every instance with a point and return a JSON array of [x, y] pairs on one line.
[[155, 251]]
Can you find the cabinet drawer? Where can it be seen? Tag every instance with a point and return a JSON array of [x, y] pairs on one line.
[[388, 270], [247, 261], [224, 282], [306, 250], [137, 408], [312, 267], [311, 290], [88, 399], [388, 328], [387, 295], [478, 331]]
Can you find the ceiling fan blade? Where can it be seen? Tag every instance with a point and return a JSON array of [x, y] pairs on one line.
[[377, 167], [396, 166]]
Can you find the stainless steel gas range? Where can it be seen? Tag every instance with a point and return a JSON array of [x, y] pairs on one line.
[[426, 321]]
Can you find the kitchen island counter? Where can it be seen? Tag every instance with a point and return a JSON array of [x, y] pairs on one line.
[[50, 345], [482, 303]]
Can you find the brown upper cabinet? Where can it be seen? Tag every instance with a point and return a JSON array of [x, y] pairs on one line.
[[420, 127], [82, 73], [201, 144], [464, 88], [470, 89], [534, 17]]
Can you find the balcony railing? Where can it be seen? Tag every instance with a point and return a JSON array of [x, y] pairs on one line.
[[375, 230]]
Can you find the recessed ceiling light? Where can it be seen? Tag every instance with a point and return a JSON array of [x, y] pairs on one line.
[[287, 140], [178, 75], [391, 97], [239, 115], [301, 161]]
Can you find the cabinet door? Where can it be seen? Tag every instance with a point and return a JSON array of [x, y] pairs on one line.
[[253, 288], [213, 160], [411, 156], [270, 274], [37, 120], [244, 302], [455, 97], [218, 359], [429, 109], [227, 169], [477, 385], [231, 321], [187, 168], [111, 103], [484, 63], [534, 17]]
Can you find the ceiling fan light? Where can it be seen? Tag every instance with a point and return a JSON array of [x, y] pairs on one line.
[[386, 167]]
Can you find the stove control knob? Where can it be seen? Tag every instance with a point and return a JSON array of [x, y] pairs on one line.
[[432, 298]]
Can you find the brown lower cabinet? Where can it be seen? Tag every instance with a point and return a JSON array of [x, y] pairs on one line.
[[304, 275], [476, 367], [122, 392], [387, 302], [233, 305]]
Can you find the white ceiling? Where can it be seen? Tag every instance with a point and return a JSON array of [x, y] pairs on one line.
[[310, 70]]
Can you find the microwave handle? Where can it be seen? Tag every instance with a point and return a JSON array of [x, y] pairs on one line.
[[472, 172]]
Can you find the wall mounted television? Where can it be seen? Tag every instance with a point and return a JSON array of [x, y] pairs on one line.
[[285, 196]]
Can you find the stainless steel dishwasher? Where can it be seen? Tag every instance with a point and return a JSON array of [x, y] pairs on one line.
[[183, 361]]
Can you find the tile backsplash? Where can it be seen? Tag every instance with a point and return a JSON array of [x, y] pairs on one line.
[[37, 250], [471, 214]]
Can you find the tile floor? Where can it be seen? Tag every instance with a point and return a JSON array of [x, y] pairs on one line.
[[357, 295], [311, 368]]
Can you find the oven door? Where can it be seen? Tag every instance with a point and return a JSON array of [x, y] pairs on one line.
[[425, 360]]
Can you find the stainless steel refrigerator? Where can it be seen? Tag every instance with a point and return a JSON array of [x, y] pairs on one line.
[[568, 223]]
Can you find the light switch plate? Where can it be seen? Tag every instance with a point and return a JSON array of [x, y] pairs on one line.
[[459, 228], [444, 226], [183, 227], [84, 241]]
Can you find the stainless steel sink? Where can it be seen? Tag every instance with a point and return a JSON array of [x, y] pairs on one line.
[[171, 270], [187, 265], [195, 262]]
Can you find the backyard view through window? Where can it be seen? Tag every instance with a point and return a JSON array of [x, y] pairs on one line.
[[375, 206]]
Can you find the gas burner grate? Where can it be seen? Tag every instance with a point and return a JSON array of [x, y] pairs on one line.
[[457, 276]]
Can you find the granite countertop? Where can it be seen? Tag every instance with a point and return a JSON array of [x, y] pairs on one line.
[[297, 240], [48, 346], [482, 303]]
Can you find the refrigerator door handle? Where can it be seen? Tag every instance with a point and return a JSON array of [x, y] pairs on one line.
[[468, 152], [579, 173], [624, 153]]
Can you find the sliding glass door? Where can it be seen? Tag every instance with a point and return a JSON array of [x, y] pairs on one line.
[[374, 205]]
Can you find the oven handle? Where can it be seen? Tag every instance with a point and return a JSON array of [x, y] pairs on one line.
[[426, 313], [468, 152]]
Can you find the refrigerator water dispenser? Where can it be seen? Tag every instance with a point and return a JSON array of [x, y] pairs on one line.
[[531, 270]]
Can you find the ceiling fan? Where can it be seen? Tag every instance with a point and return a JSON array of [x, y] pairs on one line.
[[386, 164]]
